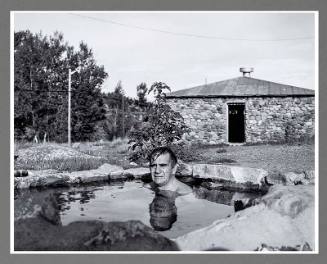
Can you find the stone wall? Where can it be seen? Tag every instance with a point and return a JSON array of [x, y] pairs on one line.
[[267, 119]]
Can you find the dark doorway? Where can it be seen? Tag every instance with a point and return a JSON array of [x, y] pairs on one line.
[[236, 124]]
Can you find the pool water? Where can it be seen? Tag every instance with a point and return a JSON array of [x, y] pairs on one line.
[[165, 212]]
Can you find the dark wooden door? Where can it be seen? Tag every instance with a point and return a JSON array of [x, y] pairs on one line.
[[236, 124]]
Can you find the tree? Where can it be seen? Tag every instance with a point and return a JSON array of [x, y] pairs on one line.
[[87, 103], [117, 106], [41, 66], [38, 71], [161, 127], [119, 89], [141, 94]]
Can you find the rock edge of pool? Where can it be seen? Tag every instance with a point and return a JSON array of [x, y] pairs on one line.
[[281, 220]]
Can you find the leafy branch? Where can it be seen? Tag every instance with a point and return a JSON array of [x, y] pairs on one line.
[[161, 127]]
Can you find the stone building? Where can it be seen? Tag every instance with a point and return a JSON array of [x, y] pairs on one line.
[[245, 110]]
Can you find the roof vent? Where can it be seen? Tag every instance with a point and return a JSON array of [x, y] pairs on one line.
[[246, 71]]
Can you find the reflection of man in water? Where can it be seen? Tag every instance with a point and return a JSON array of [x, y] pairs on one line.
[[163, 166], [163, 211]]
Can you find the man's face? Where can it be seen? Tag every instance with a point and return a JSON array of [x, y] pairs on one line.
[[162, 170]]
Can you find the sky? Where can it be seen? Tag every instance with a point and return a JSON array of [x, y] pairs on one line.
[[186, 49]]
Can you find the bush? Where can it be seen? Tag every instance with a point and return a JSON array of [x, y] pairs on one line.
[[162, 126]]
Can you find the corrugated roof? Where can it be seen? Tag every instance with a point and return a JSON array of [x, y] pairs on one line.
[[242, 86]]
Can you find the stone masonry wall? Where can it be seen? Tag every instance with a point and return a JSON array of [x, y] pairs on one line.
[[267, 119]]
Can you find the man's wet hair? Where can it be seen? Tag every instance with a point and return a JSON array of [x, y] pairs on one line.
[[155, 153]]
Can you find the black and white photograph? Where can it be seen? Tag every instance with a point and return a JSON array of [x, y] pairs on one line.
[[175, 132]]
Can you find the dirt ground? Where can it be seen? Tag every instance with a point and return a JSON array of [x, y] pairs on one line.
[[283, 158]]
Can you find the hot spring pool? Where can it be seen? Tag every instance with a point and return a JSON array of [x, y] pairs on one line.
[[171, 216]]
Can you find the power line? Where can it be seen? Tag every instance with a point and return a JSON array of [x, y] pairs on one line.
[[184, 34], [43, 91]]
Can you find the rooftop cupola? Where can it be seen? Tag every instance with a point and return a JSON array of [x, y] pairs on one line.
[[245, 71]]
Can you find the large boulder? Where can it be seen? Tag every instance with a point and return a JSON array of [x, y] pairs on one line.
[[310, 176], [234, 174], [291, 178], [42, 178], [38, 234], [129, 236], [289, 200], [82, 177], [32, 205], [304, 177], [53, 178], [275, 177], [282, 218], [137, 173], [104, 173]]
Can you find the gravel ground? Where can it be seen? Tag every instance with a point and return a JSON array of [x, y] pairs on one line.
[[283, 158]]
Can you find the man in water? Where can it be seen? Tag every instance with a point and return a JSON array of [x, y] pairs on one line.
[[163, 166]]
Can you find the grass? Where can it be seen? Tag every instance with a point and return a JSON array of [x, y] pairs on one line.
[[282, 157], [22, 145], [32, 156], [82, 156], [91, 155], [62, 164], [114, 152]]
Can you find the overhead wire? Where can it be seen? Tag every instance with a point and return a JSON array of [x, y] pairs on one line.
[[182, 33], [44, 91]]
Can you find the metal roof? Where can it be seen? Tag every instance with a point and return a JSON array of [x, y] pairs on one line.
[[240, 87]]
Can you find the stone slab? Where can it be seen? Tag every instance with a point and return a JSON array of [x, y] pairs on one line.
[[229, 173], [284, 217]]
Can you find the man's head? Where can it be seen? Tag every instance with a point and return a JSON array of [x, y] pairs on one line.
[[163, 165]]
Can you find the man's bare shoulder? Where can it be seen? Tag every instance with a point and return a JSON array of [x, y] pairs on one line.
[[178, 186], [183, 188]]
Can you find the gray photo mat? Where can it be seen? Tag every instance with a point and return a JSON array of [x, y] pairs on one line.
[[105, 5]]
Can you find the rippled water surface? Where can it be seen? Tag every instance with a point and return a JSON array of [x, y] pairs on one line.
[[172, 216]]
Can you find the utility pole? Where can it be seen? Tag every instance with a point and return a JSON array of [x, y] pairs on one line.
[[69, 108], [123, 114], [70, 73]]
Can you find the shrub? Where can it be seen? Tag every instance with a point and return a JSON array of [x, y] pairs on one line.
[[162, 126]]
